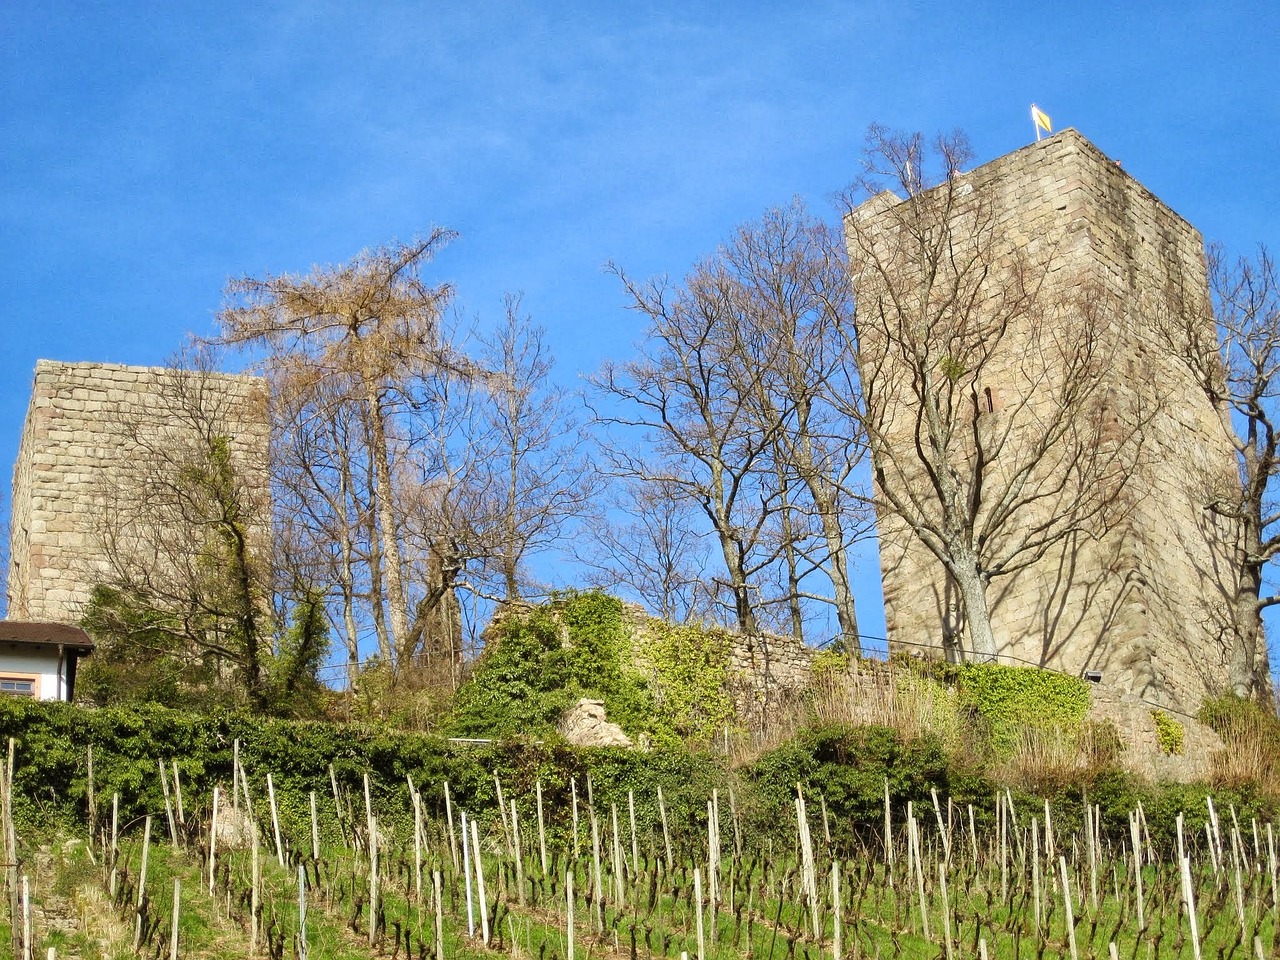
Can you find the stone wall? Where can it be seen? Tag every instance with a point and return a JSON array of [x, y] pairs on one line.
[[1140, 599], [764, 671], [88, 431], [767, 670]]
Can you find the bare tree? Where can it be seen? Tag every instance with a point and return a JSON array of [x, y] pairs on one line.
[[408, 472], [1237, 364], [646, 545], [982, 394], [735, 392], [688, 403], [535, 475], [357, 348], [788, 276], [184, 532], [322, 514]]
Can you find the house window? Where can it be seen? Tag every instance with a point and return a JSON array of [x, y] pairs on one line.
[[18, 686]]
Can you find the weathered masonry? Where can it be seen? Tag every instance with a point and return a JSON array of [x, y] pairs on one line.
[[90, 430], [1140, 596]]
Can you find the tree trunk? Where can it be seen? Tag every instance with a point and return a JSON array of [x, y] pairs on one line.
[[824, 502], [1242, 666], [509, 551], [837, 567], [351, 638], [976, 613], [742, 608], [731, 549], [246, 615], [377, 605], [346, 571], [794, 607], [388, 535]]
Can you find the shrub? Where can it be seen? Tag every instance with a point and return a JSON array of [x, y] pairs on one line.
[[848, 767], [51, 781]]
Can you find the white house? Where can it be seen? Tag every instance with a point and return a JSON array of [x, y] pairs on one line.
[[38, 660]]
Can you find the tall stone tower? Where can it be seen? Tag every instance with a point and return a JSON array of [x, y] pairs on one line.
[[1063, 247], [92, 433]]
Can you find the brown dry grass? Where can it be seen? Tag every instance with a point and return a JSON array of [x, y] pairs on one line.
[[1044, 760], [872, 693], [895, 696], [1251, 753]]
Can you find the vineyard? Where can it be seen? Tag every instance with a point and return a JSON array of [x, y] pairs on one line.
[[351, 865]]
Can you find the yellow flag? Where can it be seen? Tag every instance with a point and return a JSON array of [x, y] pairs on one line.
[[1041, 120]]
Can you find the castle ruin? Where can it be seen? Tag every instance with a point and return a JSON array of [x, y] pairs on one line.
[[1138, 590], [92, 433]]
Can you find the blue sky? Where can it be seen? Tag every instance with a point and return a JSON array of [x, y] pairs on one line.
[[153, 150]]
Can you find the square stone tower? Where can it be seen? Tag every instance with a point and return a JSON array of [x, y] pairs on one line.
[[1138, 590], [92, 430]]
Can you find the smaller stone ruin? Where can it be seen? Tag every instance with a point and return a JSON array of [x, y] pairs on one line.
[[585, 725]]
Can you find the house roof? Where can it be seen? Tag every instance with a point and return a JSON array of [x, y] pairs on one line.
[[27, 632]]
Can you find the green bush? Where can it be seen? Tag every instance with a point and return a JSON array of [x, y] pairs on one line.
[[521, 683], [52, 741], [847, 766]]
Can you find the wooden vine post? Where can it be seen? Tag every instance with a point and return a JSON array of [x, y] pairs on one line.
[[140, 901], [542, 833], [213, 839], [439, 905], [480, 889], [177, 796], [173, 928], [10, 852], [93, 806], [275, 820]]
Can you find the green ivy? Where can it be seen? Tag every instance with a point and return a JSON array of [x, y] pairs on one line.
[[828, 664], [1008, 699], [1170, 734], [521, 684], [689, 666], [538, 663], [1012, 697]]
